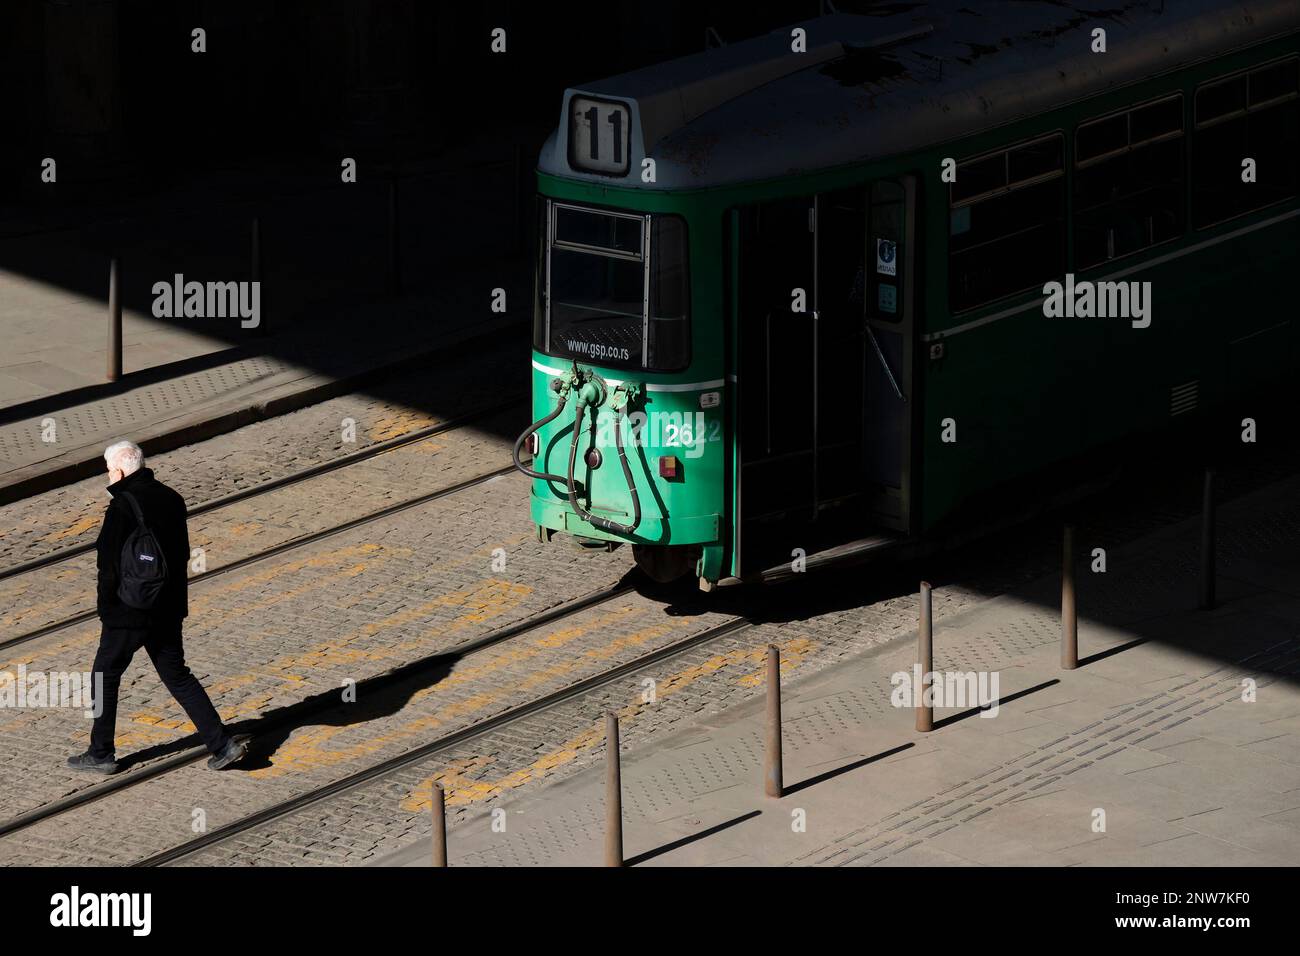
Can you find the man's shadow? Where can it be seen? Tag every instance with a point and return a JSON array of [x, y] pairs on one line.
[[375, 698]]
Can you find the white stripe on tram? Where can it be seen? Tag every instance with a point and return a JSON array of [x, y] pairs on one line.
[[653, 387]]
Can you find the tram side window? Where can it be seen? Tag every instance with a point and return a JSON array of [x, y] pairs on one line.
[[669, 346], [1253, 115], [1128, 184], [1007, 223]]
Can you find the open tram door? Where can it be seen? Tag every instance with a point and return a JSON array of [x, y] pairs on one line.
[[822, 349]]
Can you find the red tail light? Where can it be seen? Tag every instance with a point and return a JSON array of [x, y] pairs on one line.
[[670, 468]]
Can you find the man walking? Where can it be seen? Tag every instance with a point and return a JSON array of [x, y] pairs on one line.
[[141, 602]]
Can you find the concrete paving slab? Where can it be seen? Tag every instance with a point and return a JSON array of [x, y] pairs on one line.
[[1290, 818], [1284, 747], [1259, 835]]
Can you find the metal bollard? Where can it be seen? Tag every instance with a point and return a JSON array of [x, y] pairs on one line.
[[439, 826], [1069, 614], [394, 240], [613, 794], [773, 772], [925, 658], [114, 320], [1207, 542]]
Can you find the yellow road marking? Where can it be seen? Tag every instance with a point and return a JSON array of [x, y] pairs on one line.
[[241, 529], [392, 426], [77, 528], [29, 599]]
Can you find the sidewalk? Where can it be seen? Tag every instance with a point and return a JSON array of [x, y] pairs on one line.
[[336, 354], [1151, 730]]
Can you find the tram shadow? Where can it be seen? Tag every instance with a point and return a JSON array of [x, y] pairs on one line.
[[798, 598], [1250, 623]]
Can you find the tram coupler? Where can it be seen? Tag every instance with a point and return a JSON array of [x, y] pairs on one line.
[[624, 396], [590, 393]]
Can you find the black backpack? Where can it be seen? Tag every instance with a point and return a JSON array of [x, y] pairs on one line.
[[142, 571]]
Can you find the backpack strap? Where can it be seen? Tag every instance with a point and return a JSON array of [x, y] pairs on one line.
[[135, 508]]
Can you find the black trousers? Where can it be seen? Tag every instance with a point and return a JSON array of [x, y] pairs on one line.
[[163, 644]]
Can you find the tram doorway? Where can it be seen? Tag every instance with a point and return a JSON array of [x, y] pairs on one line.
[[822, 317]]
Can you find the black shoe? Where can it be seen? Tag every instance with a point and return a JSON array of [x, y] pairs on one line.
[[232, 752], [104, 765]]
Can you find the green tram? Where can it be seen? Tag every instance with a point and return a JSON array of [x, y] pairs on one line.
[[793, 293]]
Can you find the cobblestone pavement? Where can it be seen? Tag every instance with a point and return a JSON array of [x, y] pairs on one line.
[[693, 689], [70, 516], [358, 604], [246, 528]]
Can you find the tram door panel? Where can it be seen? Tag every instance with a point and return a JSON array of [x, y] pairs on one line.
[[841, 282], [887, 352], [775, 308]]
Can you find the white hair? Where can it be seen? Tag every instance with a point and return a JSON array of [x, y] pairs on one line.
[[125, 456]]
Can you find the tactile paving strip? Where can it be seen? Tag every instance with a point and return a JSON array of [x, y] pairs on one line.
[[1021, 777]]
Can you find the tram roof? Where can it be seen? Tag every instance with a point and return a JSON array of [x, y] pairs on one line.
[[910, 76]]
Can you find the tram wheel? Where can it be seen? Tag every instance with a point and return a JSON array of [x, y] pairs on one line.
[[666, 563]]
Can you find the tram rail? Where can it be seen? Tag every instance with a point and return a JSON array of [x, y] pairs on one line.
[[444, 742], [296, 712]]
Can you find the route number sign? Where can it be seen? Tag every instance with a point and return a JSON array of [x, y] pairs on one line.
[[598, 136]]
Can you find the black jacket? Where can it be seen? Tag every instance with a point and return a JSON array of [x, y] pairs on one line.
[[164, 513]]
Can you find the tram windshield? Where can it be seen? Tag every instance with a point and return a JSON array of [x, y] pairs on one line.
[[615, 289]]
